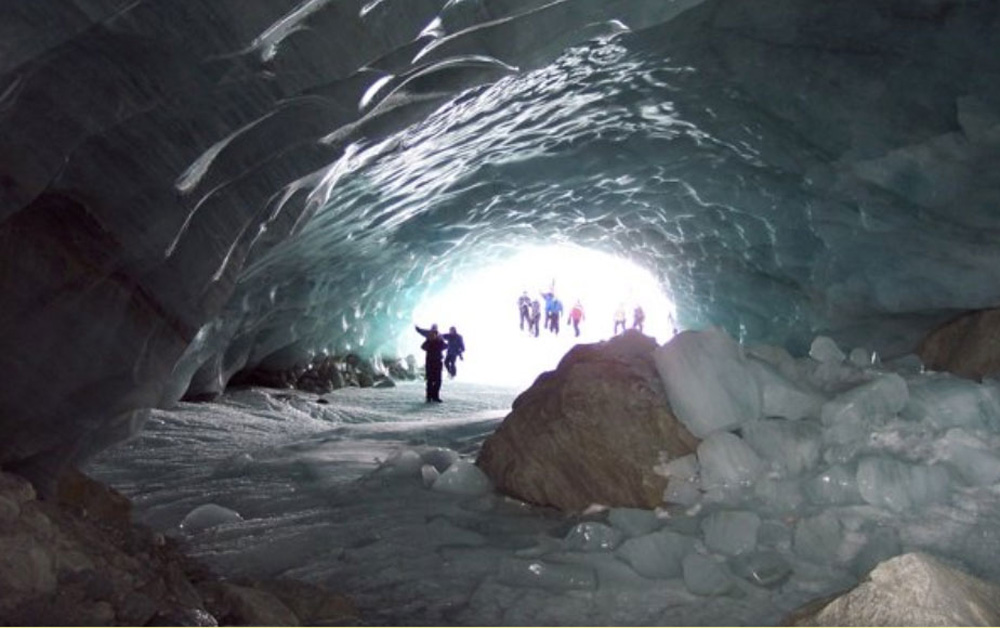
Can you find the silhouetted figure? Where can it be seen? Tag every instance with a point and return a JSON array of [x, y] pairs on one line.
[[619, 318], [426, 332], [638, 318], [456, 349], [524, 308], [575, 317], [434, 346], [536, 316]]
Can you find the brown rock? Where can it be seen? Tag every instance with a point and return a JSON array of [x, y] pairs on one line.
[[93, 499], [247, 606], [968, 346], [589, 432], [16, 488], [27, 569]]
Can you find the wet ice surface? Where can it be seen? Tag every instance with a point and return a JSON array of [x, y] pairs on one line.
[[302, 490]]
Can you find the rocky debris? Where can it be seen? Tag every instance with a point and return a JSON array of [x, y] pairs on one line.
[[908, 590], [79, 560], [968, 346], [329, 373], [590, 432]]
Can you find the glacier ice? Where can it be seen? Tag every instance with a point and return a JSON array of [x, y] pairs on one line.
[[656, 555], [592, 536], [633, 521], [819, 538], [208, 516], [704, 575], [764, 568], [708, 382], [784, 398], [834, 485], [826, 351], [726, 460], [900, 486], [731, 532], [463, 478], [788, 447], [533, 574]]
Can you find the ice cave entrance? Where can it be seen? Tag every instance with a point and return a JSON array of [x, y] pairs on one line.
[[482, 305]]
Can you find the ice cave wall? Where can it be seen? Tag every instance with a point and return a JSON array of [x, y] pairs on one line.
[[192, 187]]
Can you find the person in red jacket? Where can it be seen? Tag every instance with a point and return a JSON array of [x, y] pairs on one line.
[[576, 317]]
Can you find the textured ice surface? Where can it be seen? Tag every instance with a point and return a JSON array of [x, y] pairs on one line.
[[255, 184], [708, 381], [656, 555], [899, 486], [208, 516], [703, 575], [788, 447], [323, 498], [731, 532], [633, 521], [463, 478], [727, 460], [782, 397], [825, 350], [943, 400], [591, 536]]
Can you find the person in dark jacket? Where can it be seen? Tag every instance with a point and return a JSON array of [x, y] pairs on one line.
[[638, 318], [524, 308], [434, 346], [536, 317], [456, 350]]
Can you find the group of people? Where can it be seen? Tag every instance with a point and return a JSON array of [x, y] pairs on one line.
[[638, 318], [442, 350], [530, 311]]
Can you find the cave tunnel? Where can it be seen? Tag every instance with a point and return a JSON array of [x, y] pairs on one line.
[[198, 189]]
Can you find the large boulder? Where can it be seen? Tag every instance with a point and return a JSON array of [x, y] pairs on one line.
[[968, 346], [590, 432], [909, 590]]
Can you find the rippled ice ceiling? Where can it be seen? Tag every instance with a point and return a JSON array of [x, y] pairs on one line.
[[191, 187]]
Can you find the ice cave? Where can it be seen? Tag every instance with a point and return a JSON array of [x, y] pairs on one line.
[[221, 220]]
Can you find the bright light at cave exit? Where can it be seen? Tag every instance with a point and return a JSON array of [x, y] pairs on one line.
[[483, 307]]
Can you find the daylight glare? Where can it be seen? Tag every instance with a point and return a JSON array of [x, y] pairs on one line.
[[483, 308]]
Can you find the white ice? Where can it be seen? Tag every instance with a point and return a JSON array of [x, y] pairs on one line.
[[373, 494]]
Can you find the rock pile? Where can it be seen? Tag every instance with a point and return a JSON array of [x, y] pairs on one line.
[[328, 373], [78, 560]]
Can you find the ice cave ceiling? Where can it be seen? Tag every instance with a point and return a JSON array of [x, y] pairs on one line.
[[203, 185]]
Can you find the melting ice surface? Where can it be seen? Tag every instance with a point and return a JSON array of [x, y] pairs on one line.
[[370, 492]]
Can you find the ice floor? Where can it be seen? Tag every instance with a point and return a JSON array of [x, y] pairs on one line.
[[315, 504]]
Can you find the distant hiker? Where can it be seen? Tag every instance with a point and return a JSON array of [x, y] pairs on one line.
[[524, 308], [638, 317], [575, 317], [456, 350], [434, 346], [536, 316], [557, 310], [619, 318], [550, 299]]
